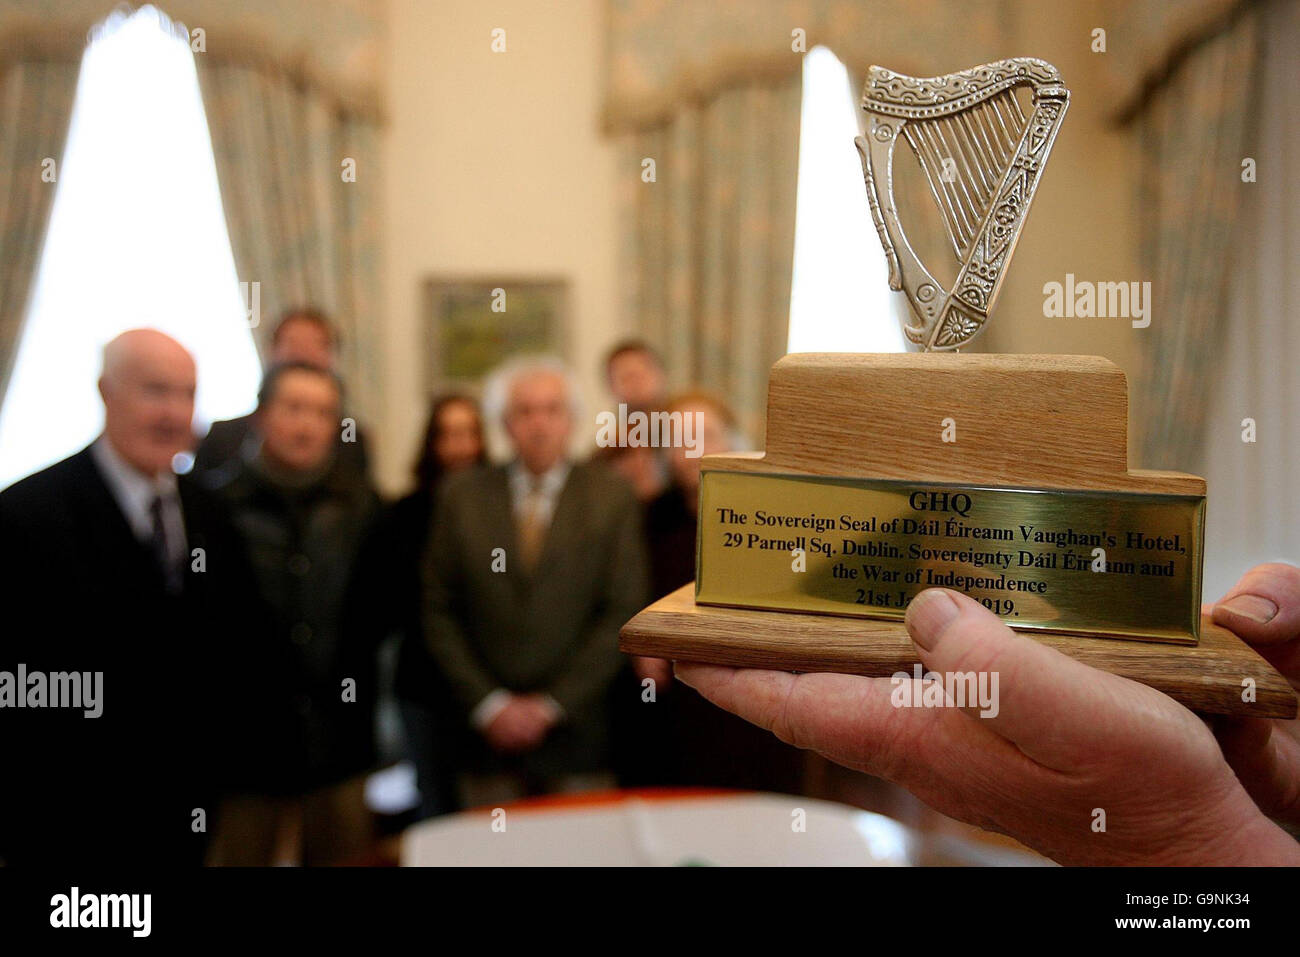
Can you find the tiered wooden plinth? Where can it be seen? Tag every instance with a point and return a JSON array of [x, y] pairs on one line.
[[1027, 421], [1207, 677]]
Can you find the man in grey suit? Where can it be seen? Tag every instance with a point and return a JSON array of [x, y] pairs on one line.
[[533, 568]]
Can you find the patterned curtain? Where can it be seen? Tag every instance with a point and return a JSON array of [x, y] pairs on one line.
[[1145, 41], [291, 88], [709, 244], [661, 55], [35, 110], [300, 226], [711, 92], [1253, 513], [1194, 131]]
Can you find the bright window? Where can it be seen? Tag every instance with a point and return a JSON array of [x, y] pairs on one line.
[[136, 238], [840, 300]]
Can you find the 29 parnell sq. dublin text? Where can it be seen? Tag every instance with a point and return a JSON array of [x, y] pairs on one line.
[[885, 558]]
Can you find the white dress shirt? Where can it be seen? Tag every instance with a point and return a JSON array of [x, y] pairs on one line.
[[550, 484], [134, 493]]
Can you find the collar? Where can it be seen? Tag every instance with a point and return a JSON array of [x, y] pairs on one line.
[[126, 478], [132, 489], [287, 481], [550, 482]]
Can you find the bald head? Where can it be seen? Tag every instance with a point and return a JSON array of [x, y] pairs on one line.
[[148, 385], [143, 347]]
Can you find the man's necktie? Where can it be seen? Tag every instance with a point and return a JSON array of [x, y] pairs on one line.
[[158, 543], [532, 529]]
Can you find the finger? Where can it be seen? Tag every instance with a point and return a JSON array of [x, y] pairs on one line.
[[849, 715], [1264, 610], [1266, 761], [1060, 712], [948, 760], [1264, 606]]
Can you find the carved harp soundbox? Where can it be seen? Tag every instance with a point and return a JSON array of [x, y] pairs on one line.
[[983, 158]]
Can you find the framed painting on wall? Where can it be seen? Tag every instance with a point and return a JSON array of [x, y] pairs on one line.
[[473, 325]]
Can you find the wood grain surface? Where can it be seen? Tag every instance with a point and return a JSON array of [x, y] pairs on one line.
[[1023, 421], [1030, 421], [1206, 677]]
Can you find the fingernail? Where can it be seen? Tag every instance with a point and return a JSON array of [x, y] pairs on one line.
[[928, 614], [1254, 607], [678, 675]]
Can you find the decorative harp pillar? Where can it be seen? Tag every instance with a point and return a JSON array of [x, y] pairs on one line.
[[983, 158]]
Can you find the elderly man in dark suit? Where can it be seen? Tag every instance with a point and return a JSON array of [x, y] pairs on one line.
[[532, 569], [120, 573]]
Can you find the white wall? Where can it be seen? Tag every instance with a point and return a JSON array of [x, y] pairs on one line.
[[493, 164]]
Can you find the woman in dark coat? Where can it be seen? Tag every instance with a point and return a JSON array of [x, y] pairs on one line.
[[453, 440]]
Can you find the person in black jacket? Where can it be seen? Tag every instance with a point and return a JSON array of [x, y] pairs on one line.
[[308, 525], [303, 334], [125, 593], [434, 734]]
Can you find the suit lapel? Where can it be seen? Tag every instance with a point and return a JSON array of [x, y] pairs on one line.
[[499, 523], [116, 549], [566, 523]]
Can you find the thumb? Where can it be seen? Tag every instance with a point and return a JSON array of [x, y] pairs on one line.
[[1059, 712], [1264, 609]]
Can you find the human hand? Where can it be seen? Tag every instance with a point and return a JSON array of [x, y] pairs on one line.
[[1263, 609], [519, 726], [1069, 751], [545, 712], [660, 670]]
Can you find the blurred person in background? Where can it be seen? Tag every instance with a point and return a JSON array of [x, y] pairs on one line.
[[635, 375], [533, 568], [680, 738], [636, 379], [432, 728], [305, 335], [308, 525], [129, 579]]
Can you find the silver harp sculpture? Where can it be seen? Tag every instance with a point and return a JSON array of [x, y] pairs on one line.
[[983, 158]]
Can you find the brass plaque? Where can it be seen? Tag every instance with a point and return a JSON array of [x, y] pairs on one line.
[[1097, 563]]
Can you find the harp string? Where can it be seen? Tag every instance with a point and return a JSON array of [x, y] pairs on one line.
[[984, 125], [979, 143], [954, 183], [982, 162], [1015, 107], [997, 132], [964, 225], [977, 194], [1011, 119], [932, 167]]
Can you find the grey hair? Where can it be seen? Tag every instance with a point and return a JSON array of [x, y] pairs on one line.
[[498, 382]]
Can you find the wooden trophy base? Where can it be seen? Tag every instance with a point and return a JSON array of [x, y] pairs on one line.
[[1206, 677], [1043, 422]]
